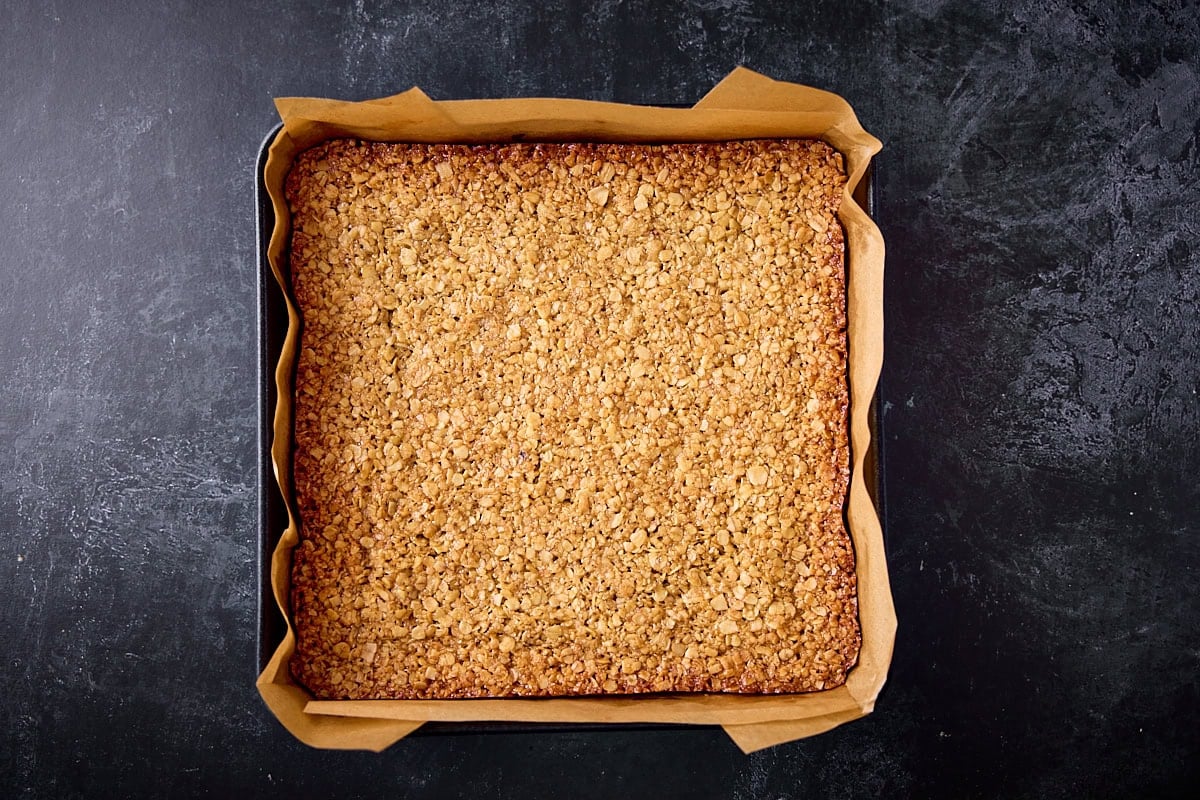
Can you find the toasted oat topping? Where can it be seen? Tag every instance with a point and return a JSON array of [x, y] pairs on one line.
[[570, 419]]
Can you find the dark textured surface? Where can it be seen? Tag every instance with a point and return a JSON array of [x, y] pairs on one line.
[[1039, 194]]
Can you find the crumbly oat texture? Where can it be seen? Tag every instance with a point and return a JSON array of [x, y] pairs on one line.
[[570, 419]]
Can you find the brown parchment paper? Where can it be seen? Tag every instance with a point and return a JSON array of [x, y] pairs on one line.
[[743, 105]]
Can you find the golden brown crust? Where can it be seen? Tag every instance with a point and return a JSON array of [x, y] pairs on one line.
[[570, 419]]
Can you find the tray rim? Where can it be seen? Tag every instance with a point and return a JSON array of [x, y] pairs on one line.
[[270, 622]]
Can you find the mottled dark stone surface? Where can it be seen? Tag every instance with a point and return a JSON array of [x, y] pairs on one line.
[[1039, 194]]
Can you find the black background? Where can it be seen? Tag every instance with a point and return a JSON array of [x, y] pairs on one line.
[[1039, 196]]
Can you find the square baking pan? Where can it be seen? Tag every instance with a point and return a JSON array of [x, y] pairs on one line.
[[272, 509]]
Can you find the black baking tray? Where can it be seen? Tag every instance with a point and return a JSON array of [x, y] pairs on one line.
[[272, 510]]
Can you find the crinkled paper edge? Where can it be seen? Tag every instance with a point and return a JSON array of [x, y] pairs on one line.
[[743, 105]]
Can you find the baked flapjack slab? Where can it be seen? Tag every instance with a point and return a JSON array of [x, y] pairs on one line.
[[570, 419]]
